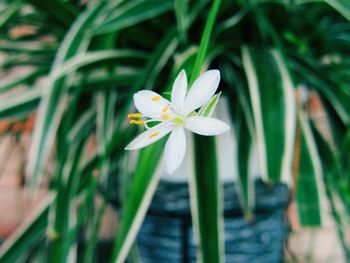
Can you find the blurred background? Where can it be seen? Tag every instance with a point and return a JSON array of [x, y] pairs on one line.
[[275, 188]]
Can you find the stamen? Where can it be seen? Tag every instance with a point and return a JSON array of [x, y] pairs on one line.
[[136, 122], [153, 135], [167, 107], [134, 115], [165, 116], [156, 98]]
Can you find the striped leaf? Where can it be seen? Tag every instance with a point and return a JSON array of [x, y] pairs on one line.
[[309, 180], [331, 173], [7, 12], [21, 104], [342, 6], [241, 117], [21, 80], [146, 176], [95, 57], [132, 13], [335, 93], [273, 104], [244, 147], [145, 181], [29, 233], [52, 103]]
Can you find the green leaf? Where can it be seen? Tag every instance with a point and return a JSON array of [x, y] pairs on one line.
[[61, 13], [342, 6], [145, 177], [333, 92], [241, 117], [331, 174], [21, 104], [30, 47], [81, 129], [140, 194], [206, 204], [105, 103], [205, 183], [25, 79], [28, 234], [233, 20], [181, 10], [52, 104], [273, 104], [208, 109], [8, 12], [93, 57], [104, 80], [132, 13], [308, 183], [244, 146], [203, 46], [68, 179], [65, 205]]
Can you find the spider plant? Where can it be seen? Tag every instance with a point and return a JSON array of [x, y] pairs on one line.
[[85, 59]]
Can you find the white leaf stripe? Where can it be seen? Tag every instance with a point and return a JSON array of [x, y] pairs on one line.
[[289, 118], [255, 99]]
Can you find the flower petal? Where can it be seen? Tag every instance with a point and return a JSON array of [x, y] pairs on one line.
[[150, 136], [205, 125], [175, 149], [201, 91], [179, 90], [151, 104]]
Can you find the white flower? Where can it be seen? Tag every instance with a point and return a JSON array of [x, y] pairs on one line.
[[173, 117]]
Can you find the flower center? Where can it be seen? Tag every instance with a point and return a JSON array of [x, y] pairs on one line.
[[179, 120]]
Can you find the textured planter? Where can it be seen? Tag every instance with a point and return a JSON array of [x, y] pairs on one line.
[[166, 234]]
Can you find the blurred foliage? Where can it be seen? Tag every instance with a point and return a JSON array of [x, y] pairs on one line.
[[76, 64]]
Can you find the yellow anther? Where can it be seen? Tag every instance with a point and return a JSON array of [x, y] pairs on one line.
[[165, 116], [167, 107], [134, 115], [156, 98], [136, 122], [153, 135]]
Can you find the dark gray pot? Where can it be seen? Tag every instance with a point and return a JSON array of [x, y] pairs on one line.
[[166, 234]]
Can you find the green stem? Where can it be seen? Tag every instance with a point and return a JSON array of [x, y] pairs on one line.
[[204, 184], [203, 46]]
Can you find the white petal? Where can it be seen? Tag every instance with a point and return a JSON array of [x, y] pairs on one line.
[[151, 104], [205, 125], [179, 90], [201, 91], [175, 149], [150, 136]]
